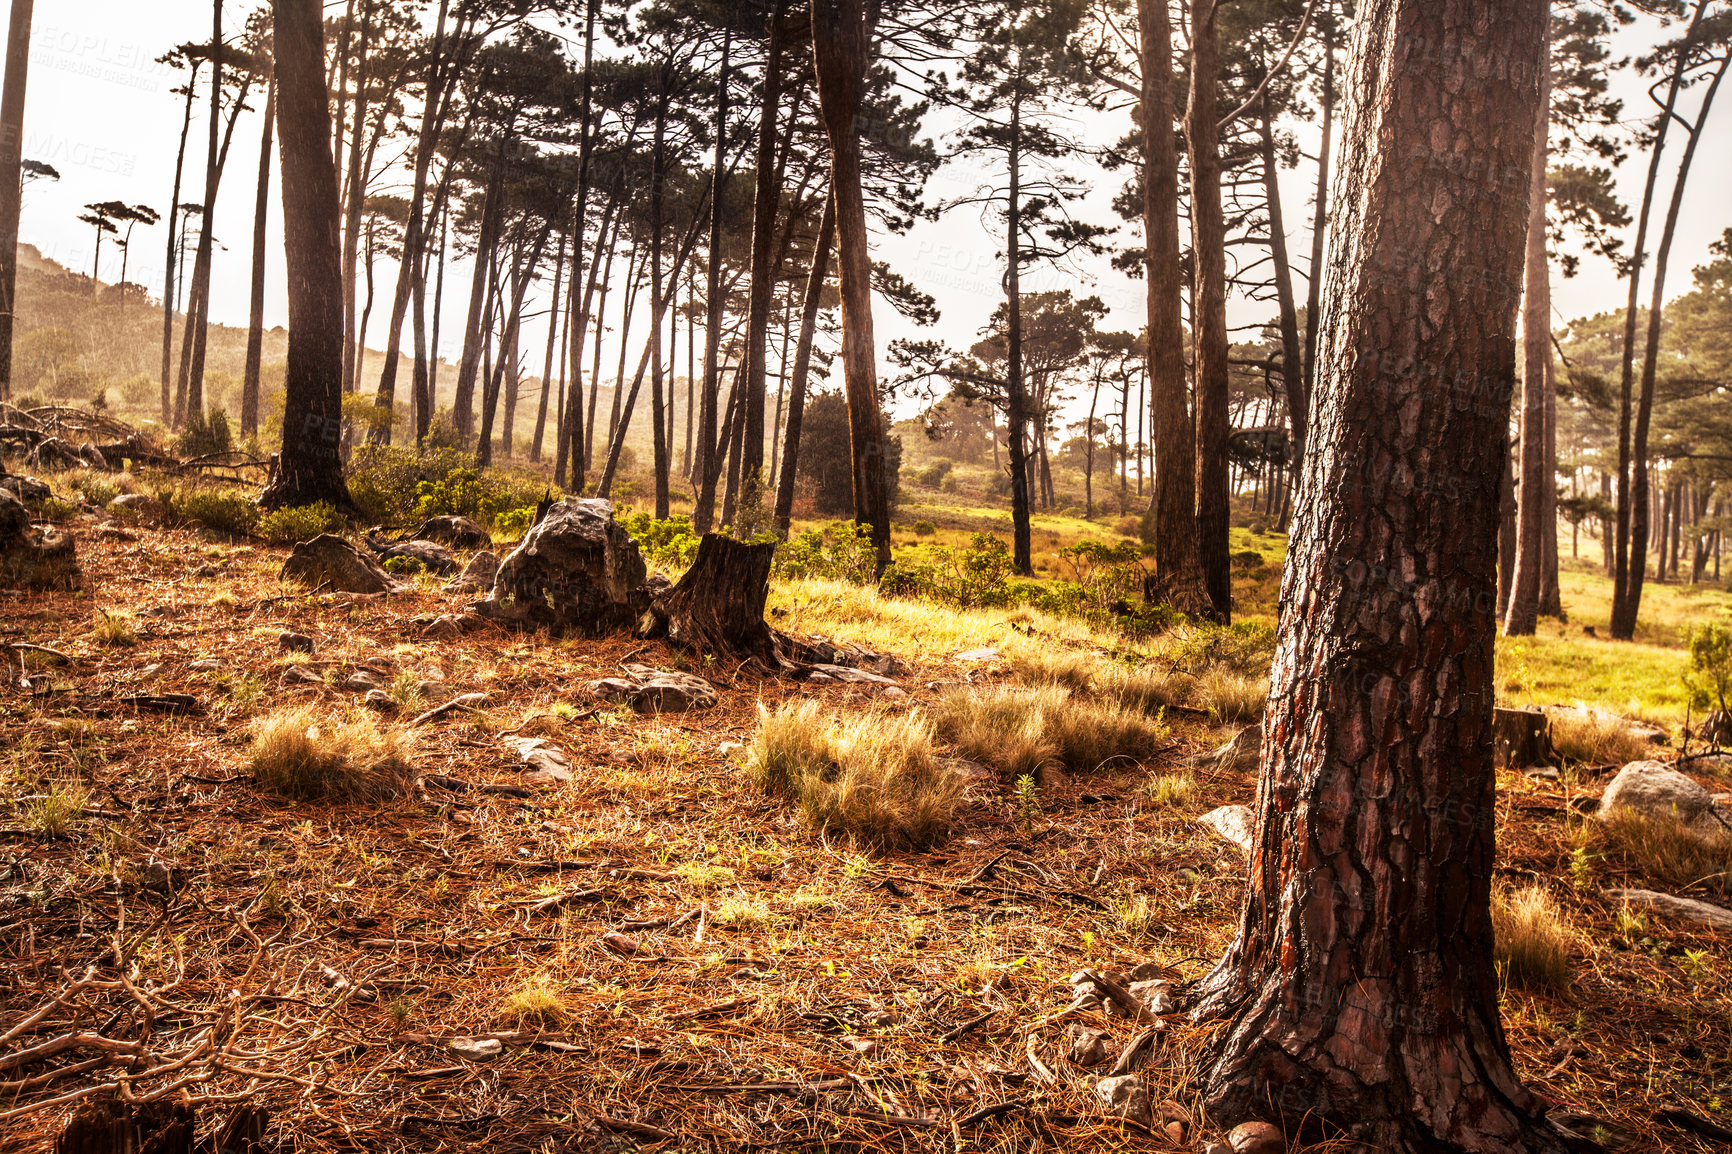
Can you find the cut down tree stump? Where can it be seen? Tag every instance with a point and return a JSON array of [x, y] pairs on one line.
[[718, 606], [1522, 738]]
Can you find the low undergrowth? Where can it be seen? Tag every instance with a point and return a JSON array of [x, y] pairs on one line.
[[299, 754]]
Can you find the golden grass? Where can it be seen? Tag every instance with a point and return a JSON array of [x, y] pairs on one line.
[[1664, 851], [301, 755], [537, 1002], [113, 627], [1169, 790], [874, 777], [54, 813], [1533, 943], [1017, 731], [1231, 698], [1593, 737]]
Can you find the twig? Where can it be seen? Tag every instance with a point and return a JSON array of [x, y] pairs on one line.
[[462, 701]]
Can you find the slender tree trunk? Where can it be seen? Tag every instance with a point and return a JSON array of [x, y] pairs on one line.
[[256, 306], [659, 304], [196, 321], [552, 342], [1016, 403], [463, 402], [840, 47], [1522, 617], [802, 366], [1292, 360], [1178, 567], [12, 92], [1361, 993], [1209, 296], [703, 510], [309, 468], [764, 264], [355, 187]]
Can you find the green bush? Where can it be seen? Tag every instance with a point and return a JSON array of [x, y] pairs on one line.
[[514, 523], [479, 494], [224, 510], [976, 576], [924, 528], [932, 476], [300, 523], [666, 544], [383, 479], [97, 489], [205, 434], [839, 552]]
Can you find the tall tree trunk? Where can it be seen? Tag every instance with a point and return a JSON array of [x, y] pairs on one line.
[[1522, 614], [1015, 394], [354, 189], [1178, 568], [309, 468], [1361, 991], [552, 344], [659, 304], [703, 510], [1319, 214], [1292, 360], [1551, 593], [1623, 623], [1624, 615], [256, 303], [802, 366], [1209, 301], [840, 45], [492, 209], [12, 92], [196, 321], [763, 272], [168, 276]]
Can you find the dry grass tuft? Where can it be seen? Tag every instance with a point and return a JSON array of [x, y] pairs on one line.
[[1231, 698], [1091, 735], [1044, 667], [873, 776], [301, 755], [1591, 737], [537, 1002], [1662, 850], [113, 627], [1533, 944], [1016, 731], [1147, 688], [53, 814], [1169, 790]]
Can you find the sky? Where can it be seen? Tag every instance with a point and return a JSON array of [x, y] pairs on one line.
[[101, 111]]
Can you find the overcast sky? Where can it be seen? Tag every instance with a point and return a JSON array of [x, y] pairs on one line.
[[100, 110]]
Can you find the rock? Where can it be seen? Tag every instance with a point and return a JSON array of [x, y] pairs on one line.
[[1542, 773], [1236, 823], [329, 562], [820, 679], [649, 690], [477, 576], [1087, 1046], [1242, 752], [26, 488], [1175, 1132], [379, 700], [32, 558], [289, 642], [428, 555], [576, 571], [861, 1046], [1657, 791], [205, 665], [1256, 1138], [1687, 909], [301, 675], [1156, 995], [859, 676], [450, 626], [1124, 1097], [620, 943], [476, 1049], [893, 692], [361, 681], [544, 762], [969, 770], [729, 748], [138, 507], [978, 655], [457, 532]]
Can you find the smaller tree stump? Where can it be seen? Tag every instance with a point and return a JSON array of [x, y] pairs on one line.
[[718, 605], [1521, 738]]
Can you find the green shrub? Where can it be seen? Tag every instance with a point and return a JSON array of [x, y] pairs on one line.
[[838, 552], [205, 434], [97, 489], [479, 494], [978, 576], [924, 528], [299, 523], [933, 474], [384, 479], [514, 523], [224, 510], [666, 544]]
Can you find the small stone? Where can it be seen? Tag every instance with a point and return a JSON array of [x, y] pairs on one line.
[[882, 1017], [649, 690], [978, 655], [476, 1049], [205, 665], [1124, 1097], [861, 1046], [379, 700], [1156, 995], [892, 691], [619, 943], [361, 681], [1542, 773], [154, 875], [150, 670], [1175, 1132], [1236, 823], [1256, 1138], [446, 627], [1088, 1047], [138, 506], [729, 748], [301, 675], [294, 642]]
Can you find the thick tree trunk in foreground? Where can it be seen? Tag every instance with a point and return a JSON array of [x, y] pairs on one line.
[[1523, 609], [1360, 994], [309, 468], [11, 187], [1178, 569], [840, 45]]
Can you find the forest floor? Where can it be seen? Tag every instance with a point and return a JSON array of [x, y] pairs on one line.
[[666, 957]]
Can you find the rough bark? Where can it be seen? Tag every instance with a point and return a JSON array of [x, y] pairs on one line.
[[1209, 304], [704, 511], [1361, 994], [717, 607], [803, 366], [1178, 578], [11, 187], [309, 468], [764, 263], [840, 47], [1016, 414], [1292, 362]]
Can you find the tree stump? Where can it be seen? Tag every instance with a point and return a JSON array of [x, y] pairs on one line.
[[114, 1127], [1521, 738], [32, 558], [718, 606]]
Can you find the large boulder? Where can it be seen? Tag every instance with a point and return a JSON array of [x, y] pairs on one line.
[[330, 562], [1655, 790], [477, 576], [576, 571], [32, 558]]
